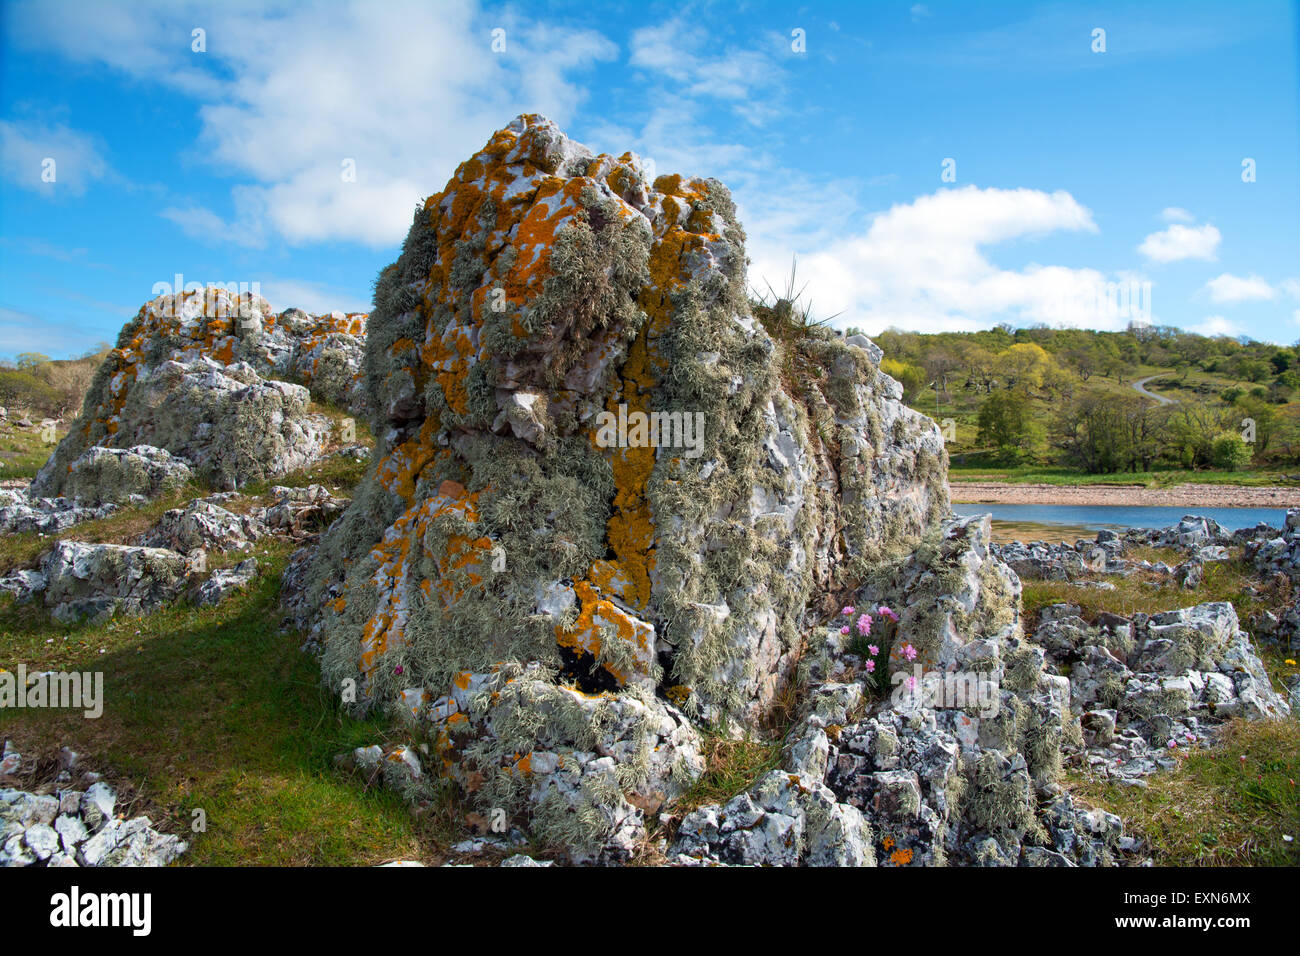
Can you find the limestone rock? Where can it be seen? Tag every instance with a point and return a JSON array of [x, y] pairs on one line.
[[101, 580], [587, 770], [546, 303], [20, 513], [214, 361], [224, 582], [69, 829], [203, 525], [119, 475]]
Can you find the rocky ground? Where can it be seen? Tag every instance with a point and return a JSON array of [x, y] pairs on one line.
[[510, 632]]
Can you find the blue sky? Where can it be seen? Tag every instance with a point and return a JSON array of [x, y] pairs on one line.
[[1072, 167]]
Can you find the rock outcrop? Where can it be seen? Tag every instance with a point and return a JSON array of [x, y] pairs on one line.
[[594, 462], [961, 763], [202, 376]]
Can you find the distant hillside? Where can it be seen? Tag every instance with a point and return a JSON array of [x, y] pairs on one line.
[[42, 387], [1091, 400]]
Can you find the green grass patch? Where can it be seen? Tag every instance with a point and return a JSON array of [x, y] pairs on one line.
[[1229, 805], [217, 709], [24, 450]]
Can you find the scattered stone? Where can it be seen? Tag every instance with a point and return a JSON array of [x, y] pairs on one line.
[[69, 828], [203, 525], [222, 583]]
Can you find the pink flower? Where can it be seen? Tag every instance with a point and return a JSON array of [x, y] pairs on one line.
[[873, 649], [871, 667], [909, 652], [844, 629], [887, 613], [864, 625], [397, 669], [848, 609], [1172, 743]]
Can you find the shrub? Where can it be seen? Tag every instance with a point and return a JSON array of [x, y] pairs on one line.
[[1231, 452]]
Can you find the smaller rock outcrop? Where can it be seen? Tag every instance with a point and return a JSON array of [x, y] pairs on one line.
[[201, 375]]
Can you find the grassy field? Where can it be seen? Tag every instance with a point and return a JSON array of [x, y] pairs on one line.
[[1229, 805], [24, 450], [218, 709]]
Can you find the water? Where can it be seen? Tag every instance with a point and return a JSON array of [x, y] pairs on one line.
[[1119, 517]]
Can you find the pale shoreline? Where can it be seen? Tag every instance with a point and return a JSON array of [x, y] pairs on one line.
[[1179, 496]]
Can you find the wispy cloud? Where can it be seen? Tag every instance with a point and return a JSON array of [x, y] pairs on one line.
[[308, 89], [51, 159]]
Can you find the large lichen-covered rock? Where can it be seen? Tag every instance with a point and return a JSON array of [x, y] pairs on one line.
[[119, 475], [546, 302], [102, 580], [199, 374], [586, 770]]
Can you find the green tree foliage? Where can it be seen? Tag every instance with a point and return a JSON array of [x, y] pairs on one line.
[[1231, 452], [1007, 424]]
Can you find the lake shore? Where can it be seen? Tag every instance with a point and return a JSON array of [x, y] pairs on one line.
[[1183, 496]]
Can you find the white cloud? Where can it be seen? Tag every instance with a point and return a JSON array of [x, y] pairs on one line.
[[27, 148], [1229, 289], [406, 95], [691, 58], [922, 265], [1176, 214], [205, 225], [314, 297], [1217, 325], [1180, 242]]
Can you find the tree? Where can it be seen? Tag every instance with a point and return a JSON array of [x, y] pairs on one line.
[[908, 375], [1093, 432], [1264, 416], [1192, 430], [1005, 422], [1024, 365], [30, 360], [1231, 452], [940, 365]]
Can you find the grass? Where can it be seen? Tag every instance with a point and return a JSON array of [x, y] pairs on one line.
[[1228, 805], [730, 767], [218, 709], [24, 450]]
